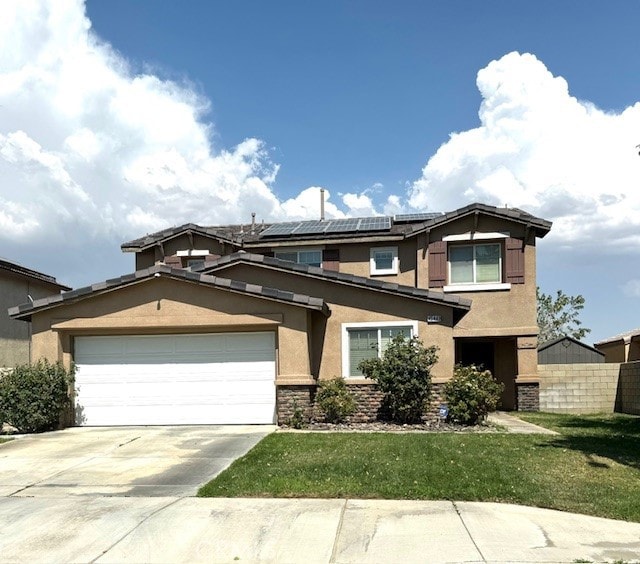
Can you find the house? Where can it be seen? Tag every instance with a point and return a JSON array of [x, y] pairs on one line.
[[17, 285], [567, 350], [624, 347], [236, 324]]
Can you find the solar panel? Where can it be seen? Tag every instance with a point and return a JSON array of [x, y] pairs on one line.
[[410, 217], [279, 229], [342, 225], [374, 223], [311, 227]]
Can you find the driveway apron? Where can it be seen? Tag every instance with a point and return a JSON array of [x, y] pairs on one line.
[[123, 461]]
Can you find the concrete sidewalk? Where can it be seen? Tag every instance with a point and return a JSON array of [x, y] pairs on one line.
[[513, 424], [121, 529]]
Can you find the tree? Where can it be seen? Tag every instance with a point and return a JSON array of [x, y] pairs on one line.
[[558, 316]]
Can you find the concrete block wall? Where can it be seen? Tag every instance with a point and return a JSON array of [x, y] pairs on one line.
[[578, 388], [629, 388]]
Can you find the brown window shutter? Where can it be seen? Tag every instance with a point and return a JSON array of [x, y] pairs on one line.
[[514, 261], [437, 264], [331, 259]]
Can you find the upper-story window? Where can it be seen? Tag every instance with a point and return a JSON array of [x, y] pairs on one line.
[[475, 264], [311, 257], [384, 260]]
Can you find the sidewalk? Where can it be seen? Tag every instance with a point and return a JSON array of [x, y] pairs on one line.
[[514, 425], [121, 529]]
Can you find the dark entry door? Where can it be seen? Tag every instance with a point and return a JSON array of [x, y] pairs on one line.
[[480, 353]]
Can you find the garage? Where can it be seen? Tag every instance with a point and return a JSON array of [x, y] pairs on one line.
[[221, 378]]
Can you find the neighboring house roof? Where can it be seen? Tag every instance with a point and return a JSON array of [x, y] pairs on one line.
[[25, 311], [626, 337], [450, 300], [549, 344], [396, 228], [28, 273]]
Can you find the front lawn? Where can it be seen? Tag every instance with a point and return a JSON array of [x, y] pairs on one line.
[[593, 467]]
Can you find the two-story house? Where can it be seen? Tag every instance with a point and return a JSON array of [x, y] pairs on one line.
[[236, 324]]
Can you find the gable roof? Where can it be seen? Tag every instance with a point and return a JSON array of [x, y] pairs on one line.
[[25, 311], [549, 344], [451, 300], [626, 337], [20, 270], [256, 236]]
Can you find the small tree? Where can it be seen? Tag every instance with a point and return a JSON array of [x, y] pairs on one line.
[[471, 394], [334, 400], [33, 397], [558, 316], [403, 375]]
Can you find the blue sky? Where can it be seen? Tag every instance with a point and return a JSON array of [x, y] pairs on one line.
[[119, 118]]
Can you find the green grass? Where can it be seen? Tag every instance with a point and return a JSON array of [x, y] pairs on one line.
[[593, 467]]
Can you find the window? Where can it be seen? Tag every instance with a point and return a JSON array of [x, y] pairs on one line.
[[312, 257], [384, 260], [475, 264], [361, 341]]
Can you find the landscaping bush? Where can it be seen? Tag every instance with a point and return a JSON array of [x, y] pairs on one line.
[[334, 400], [471, 394], [403, 375], [33, 397]]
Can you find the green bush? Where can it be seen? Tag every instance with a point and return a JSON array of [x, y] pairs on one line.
[[471, 394], [403, 375], [334, 400], [298, 419], [33, 397]]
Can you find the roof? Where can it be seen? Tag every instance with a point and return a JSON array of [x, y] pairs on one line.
[[33, 274], [25, 311], [399, 227], [627, 336], [549, 344], [451, 300]]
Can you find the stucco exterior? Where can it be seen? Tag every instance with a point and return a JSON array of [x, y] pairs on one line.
[[15, 288]]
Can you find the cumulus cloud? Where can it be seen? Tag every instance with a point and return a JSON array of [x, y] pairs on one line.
[[86, 144], [539, 148]]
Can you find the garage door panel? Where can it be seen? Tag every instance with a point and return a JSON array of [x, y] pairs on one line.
[[173, 379]]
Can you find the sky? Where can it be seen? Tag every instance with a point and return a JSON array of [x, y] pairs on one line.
[[122, 118]]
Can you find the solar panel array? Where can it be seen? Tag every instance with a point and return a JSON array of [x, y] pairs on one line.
[[329, 226], [411, 217]]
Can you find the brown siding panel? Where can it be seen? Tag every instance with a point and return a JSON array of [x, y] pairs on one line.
[[437, 264], [331, 259], [514, 261]]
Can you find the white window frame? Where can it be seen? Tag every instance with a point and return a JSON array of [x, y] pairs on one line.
[[395, 262], [299, 250], [412, 323], [487, 239]]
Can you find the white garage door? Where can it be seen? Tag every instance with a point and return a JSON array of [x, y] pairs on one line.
[[175, 379]]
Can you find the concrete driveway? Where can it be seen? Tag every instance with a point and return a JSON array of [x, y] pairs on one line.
[[122, 461]]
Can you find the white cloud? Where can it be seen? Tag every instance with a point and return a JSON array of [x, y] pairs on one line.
[[539, 148]]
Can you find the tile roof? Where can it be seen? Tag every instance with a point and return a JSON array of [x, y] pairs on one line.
[[33, 274], [451, 300], [627, 336], [241, 235], [25, 311]]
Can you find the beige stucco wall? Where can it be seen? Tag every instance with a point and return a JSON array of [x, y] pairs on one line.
[[14, 335], [170, 306], [354, 305]]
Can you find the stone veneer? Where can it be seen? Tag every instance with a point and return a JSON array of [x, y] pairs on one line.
[[528, 398], [367, 398]]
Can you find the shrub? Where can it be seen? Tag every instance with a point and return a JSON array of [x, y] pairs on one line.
[[403, 375], [471, 394], [33, 397], [297, 419], [334, 400]]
